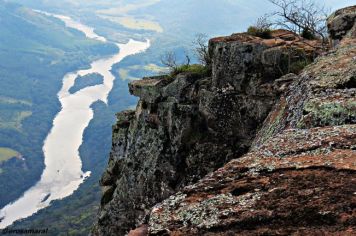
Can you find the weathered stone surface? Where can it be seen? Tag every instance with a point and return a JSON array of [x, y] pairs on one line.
[[188, 126], [341, 24], [299, 177], [245, 60], [140, 231], [148, 88], [323, 95], [301, 182]]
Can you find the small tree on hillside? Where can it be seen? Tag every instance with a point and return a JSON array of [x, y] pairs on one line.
[[169, 60], [305, 17], [262, 27], [201, 49]]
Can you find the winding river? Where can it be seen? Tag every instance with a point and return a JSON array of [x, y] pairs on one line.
[[63, 167]]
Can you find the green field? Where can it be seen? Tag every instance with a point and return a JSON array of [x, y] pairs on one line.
[[13, 119], [8, 100], [7, 153]]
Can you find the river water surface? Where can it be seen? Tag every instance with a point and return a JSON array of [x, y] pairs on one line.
[[63, 167]]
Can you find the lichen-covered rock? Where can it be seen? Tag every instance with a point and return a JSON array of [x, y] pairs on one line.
[[341, 24], [299, 177], [301, 182], [323, 95], [188, 126]]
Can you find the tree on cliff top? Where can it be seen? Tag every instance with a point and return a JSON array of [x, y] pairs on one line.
[[201, 49], [305, 17]]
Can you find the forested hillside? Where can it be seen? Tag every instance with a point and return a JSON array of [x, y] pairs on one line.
[[35, 52]]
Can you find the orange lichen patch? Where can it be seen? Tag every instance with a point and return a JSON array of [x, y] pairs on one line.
[[275, 114], [178, 233], [281, 39], [347, 42], [140, 231], [274, 119], [338, 159], [283, 201], [243, 37], [242, 186], [335, 69], [197, 198], [273, 42], [328, 146], [294, 181], [343, 61], [284, 34], [298, 141]]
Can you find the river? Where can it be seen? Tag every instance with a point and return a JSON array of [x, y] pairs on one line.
[[63, 167]]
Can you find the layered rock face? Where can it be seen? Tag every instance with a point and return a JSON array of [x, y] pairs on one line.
[[298, 176]]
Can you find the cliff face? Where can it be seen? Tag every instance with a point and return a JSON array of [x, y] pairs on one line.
[[299, 177], [299, 172]]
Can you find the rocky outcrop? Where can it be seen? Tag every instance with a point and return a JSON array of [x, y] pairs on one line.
[[188, 126], [288, 139], [341, 24], [299, 177]]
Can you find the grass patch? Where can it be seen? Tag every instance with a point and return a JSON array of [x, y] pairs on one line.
[[259, 32], [193, 69], [8, 100], [7, 154], [12, 119]]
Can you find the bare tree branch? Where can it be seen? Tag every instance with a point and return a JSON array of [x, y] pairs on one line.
[[169, 60], [202, 49], [302, 16]]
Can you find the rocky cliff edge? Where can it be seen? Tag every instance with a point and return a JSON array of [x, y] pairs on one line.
[[288, 140]]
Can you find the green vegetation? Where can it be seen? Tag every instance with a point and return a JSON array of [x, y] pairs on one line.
[[307, 18], [8, 100], [195, 69], [264, 33], [76, 214], [262, 28], [36, 51], [7, 153], [292, 60], [12, 119], [13, 112], [136, 72], [307, 34], [297, 66]]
